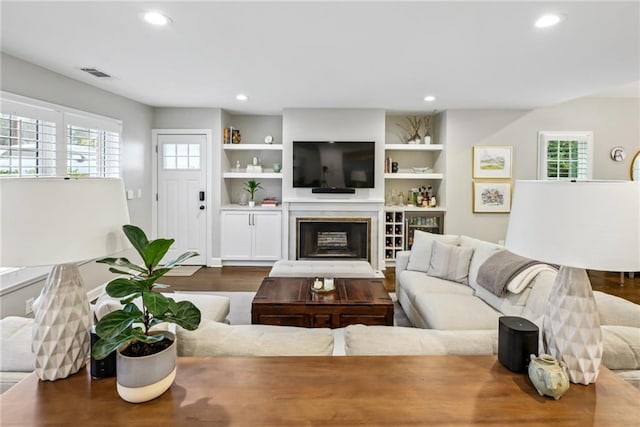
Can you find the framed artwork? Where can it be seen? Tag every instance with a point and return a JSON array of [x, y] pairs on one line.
[[492, 197], [491, 161]]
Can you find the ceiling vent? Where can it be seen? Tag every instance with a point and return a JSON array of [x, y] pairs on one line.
[[95, 72]]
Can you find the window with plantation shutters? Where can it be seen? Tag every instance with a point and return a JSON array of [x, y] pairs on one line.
[[92, 152], [27, 146], [565, 155], [43, 139]]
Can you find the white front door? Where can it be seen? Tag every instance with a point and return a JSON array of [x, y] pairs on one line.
[[181, 194]]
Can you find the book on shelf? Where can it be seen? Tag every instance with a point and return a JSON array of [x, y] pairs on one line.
[[269, 201]]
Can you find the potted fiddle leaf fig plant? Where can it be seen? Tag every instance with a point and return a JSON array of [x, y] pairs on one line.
[[145, 358], [252, 186]]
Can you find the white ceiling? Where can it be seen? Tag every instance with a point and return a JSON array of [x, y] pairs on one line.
[[353, 54]]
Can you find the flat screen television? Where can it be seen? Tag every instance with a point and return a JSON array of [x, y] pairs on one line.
[[334, 164]]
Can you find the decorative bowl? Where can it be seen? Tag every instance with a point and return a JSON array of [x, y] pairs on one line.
[[421, 170]]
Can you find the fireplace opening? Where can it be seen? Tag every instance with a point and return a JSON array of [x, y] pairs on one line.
[[339, 238]]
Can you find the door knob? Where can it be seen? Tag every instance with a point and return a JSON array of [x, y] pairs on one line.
[[201, 207]]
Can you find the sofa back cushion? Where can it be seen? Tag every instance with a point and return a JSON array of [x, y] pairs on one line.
[[382, 340], [450, 262], [481, 251], [219, 339], [422, 246], [213, 307]]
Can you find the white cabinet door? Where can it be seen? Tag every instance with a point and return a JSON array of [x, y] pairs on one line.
[[267, 236], [236, 235]]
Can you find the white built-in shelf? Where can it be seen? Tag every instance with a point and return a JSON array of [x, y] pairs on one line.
[[263, 175], [407, 208], [414, 147], [265, 147], [413, 175]]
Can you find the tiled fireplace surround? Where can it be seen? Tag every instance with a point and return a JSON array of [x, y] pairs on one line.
[[338, 211]]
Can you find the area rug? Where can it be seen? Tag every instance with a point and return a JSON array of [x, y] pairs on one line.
[[184, 270]]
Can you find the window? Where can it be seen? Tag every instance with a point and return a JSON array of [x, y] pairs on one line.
[[565, 155], [41, 139], [181, 156], [27, 146], [92, 152]]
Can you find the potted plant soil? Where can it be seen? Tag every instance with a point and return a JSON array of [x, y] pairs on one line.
[[252, 186], [146, 359]]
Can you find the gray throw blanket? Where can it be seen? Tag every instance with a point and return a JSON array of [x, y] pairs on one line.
[[500, 268]]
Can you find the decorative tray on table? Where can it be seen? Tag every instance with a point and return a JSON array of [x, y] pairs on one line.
[[320, 287]]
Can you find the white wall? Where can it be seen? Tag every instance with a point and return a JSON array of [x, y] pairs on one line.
[[23, 78], [614, 121], [332, 125]]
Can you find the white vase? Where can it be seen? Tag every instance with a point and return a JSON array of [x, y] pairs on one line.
[[252, 203], [571, 326], [61, 339], [427, 139], [140, 379]]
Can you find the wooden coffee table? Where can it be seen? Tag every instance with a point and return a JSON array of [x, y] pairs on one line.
[[289, 301]]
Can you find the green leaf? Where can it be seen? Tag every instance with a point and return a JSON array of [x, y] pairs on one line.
[[122, 262], [140, 336], [185, 256], [130, 299], [156, 250], [133, 310], [121, 287], [103, 347], [138, 239], [156, 303], [158, 273], [173, 306], [117, 271], [187, 316], [116, 323]]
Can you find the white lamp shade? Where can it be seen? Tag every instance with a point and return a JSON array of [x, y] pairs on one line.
[[584, 224], [45, 221]]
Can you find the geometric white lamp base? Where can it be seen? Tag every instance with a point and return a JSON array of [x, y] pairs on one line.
[[62, 322], [571, 326]]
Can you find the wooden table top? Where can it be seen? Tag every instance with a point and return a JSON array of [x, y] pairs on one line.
[[327, 391], [348, 291]]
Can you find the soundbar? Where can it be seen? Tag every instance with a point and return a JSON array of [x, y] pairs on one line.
[[333, 190]]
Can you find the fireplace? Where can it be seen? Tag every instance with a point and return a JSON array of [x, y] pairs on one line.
[[333, 238]]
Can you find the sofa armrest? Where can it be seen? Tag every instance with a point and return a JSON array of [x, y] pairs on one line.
[[614, 310], [402, 260]]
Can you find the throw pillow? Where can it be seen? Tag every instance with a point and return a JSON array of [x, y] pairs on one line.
[[421, 248], [450, 262]]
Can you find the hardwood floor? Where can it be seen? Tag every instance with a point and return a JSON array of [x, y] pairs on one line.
[[249, 279]]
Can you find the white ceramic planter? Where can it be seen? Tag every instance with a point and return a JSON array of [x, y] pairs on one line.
[[252, 203], [140, 379]]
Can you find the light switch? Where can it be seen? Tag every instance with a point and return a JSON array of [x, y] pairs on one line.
[[139, 193], [129, 194]]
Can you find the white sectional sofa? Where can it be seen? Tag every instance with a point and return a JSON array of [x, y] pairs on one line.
[[451, 315], [461, 317]]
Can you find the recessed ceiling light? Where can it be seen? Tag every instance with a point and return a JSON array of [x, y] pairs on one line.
[[241, 97], [156, 18], [429, 98], [548, 20]]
